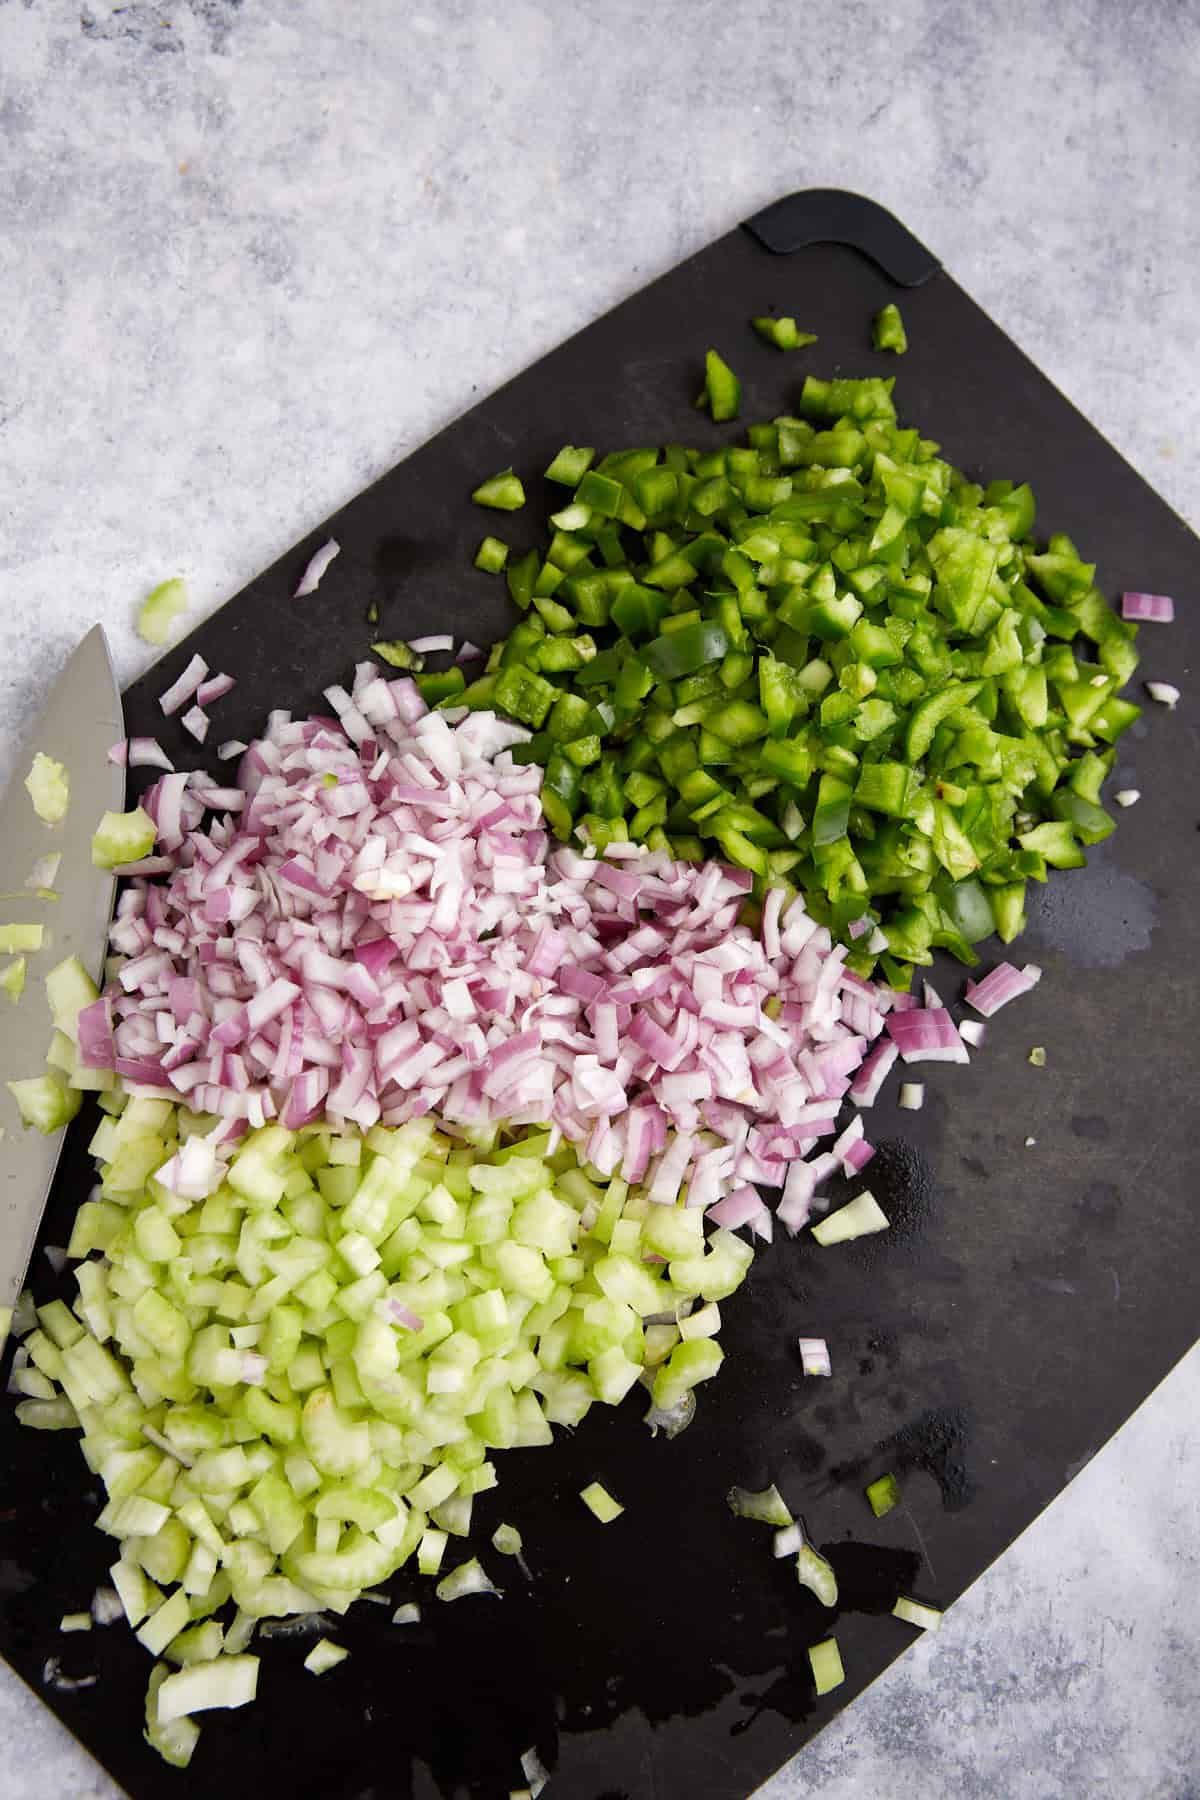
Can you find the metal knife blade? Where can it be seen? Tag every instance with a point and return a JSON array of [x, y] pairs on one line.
[[80, 723]]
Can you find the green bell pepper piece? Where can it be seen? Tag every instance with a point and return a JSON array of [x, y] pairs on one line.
[[887, 330]]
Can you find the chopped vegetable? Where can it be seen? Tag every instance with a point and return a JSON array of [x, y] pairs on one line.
[[399, 654], [972, 1032], [229, 1681], [324, 1655], [507, 1540], [45, 1101], [12, 978], [18, 938], [491, 555], [787, 1541], [79, 1621], [503, 491], [1037, 1056], [195, 722], [161, 611], [407, 1615], [722, 390], [42, 876], [858, 1218], [599, 1501], [814, 1572], [783, 333], [1127, 796], [122, 838], [469, 1578], [1165, 692], [769, 1506], [315, 568], [826, 1662], [911, 1096], [1005, 983], [1154, 609], [49, 788], [829, 659], [883, 1494], [570, 465], [913, 1612], [887, 330], [182, 689], [814, 1356]]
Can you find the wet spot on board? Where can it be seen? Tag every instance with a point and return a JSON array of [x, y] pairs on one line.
[[901, 1179], [1100, 1203], [1091, 1126], [936, 1442], [1096, 919]]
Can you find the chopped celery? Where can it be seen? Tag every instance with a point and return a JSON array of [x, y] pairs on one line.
[[45, 1101], [856, 1219], [914, 1613], [12, 978], [813, 1571], [123, 838], [228, 1681], [769, 1506], [49, 788], [883, 1494], [271, 1428], [161, 611], [15, 938], [826, 1662], [469, 1578], [324, 1655], [599, 1501]]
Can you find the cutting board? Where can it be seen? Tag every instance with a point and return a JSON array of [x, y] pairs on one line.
[[1039, 1278]]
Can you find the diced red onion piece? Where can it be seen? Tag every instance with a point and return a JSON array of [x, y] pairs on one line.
[[1003, 984], [215, 689], [814, 1356], [181, 691], [315, 568], [427, 646], [196, 722], [1154, 609]]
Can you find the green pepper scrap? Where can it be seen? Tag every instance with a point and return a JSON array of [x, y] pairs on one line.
[[824, 655]]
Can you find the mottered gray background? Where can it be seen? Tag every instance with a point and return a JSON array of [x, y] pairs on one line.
[[254, 251]]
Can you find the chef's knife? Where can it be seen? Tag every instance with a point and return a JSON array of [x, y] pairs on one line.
[[81, 722]]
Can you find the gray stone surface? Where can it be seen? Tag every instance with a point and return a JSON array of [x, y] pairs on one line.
[[250, 254]]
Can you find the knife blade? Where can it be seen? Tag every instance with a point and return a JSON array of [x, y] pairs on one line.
[[80, 722]]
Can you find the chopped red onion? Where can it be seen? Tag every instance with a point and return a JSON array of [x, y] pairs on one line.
[[316, 567], [1004, 983], [234, 747], [972, 1032], [814, 1356], [181, 691], [1127, 796], [427, 646], [1165, 692], [467, 651], [912, 1096], [1154, 609], [926, 1034], [380, 927], [215, 689], [195, 721]]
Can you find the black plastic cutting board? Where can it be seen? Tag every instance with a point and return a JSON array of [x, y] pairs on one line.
[[1026, 1300]]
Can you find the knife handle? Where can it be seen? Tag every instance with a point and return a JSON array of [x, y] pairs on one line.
[[836, 216]]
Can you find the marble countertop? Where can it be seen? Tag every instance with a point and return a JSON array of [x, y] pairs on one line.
[[254, 251]]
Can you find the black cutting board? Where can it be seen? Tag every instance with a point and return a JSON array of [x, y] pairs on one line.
[[1027, 1298]]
